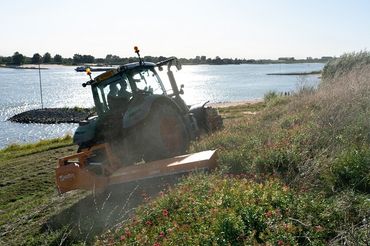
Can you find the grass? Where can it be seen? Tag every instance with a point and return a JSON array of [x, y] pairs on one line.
[[28, 197], [293, 170], [18, 150]]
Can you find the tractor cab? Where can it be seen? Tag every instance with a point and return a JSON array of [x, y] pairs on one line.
[[114, 90]]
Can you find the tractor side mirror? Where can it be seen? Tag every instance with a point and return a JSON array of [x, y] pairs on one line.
[[181, 92], [178, 65]]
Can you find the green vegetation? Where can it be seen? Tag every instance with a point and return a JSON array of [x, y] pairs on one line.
[[293, 170], [346, 63], [234, 210], [18, 150], [302, 175]]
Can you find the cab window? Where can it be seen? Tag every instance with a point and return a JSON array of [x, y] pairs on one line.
[[148, 81]]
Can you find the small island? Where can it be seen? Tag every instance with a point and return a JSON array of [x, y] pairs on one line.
[[297, 73], [53, 115]]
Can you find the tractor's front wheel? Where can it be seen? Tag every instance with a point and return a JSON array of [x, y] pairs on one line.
[[163, 133]]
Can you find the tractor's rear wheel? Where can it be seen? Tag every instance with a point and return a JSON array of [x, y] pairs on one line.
[[164, 133]]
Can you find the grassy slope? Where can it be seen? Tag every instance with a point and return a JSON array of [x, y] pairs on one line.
[[297, 172], [315, 145]]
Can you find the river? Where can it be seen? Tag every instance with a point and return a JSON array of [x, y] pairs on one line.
[[61, 87]]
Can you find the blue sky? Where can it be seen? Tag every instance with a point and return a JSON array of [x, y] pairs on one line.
[[227, 28]]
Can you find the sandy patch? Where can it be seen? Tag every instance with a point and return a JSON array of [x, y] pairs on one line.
[[237, 103]]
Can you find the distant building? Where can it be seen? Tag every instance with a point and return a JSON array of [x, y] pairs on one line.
[[286, 59], [326, 58]]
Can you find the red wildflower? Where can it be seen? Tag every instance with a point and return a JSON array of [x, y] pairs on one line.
[[165, 212], [161, 234], [122, 238], [149, 223], [268, 214], [134, 221], [127, 232], [280, 242], [156, 244], [318, 228]]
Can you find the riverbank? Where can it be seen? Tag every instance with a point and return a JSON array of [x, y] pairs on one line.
[[236, 103]]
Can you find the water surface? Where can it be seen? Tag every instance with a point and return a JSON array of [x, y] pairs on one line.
[[62, 88]]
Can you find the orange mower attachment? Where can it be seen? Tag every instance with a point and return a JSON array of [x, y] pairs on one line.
[[74, 172]]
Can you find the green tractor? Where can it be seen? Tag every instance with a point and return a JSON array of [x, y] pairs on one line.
[[139, 118]]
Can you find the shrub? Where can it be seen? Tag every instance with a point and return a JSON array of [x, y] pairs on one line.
[[229, 228], [270, 95], [283, 161], [352, 170], [345, 63]]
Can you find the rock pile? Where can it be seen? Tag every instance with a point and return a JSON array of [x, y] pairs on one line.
[[53, 115]]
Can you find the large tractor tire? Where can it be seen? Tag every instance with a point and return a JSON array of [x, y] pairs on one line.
[[163, 133]]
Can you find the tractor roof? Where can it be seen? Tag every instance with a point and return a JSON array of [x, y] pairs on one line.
[[132, 66], [121, 69]]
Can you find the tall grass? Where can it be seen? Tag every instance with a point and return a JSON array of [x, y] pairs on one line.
[[346, 63]]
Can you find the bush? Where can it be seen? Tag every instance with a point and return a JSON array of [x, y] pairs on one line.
[[229, 228], [270, 95], [345, 63], [352, 170], [283, 161]]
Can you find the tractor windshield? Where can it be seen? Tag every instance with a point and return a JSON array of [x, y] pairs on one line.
[[112, 94], [148, 81]]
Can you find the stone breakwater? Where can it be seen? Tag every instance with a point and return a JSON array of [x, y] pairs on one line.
[[53, 115]]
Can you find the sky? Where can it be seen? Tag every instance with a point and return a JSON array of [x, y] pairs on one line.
[[227, 28]]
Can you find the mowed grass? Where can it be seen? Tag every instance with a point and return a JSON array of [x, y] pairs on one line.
[[28, 197]]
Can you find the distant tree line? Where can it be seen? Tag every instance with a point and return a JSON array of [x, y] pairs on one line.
[[18, 59]]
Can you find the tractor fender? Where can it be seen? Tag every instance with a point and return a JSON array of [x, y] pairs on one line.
[[207, 118], [85, 132], [140, 108], [198, 111]]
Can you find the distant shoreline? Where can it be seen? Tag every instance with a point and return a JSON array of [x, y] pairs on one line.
[[22, 67], [297, 73]]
